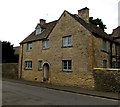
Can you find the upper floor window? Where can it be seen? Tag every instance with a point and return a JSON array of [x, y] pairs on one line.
[[39, 31], [28, 64], [67, 41], [29, 46], [119, 65], [118, 50], [104, 45], [67, 65], [45, 44]]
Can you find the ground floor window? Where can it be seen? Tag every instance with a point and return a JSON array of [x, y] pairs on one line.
[[115, 64], [104, 63], [119, 65], [40, 65], [28, 64], [67, 65]]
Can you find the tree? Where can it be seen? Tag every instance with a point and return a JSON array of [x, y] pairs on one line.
[[98, 22], [8, 55]]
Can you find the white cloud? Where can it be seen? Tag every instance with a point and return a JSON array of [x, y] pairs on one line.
[[19, 17]]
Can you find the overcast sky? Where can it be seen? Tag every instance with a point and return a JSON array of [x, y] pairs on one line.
[[18, 18]]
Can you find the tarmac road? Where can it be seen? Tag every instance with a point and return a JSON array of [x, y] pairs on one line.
[[22, 94]]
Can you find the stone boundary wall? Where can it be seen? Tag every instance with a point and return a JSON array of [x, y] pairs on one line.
[[107, 79], [10, 70]]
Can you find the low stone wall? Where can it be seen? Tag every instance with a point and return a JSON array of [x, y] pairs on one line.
[[10, 70], [107, 79]]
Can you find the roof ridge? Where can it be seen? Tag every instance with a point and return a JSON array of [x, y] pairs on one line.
[[51, 22], [91, 27]]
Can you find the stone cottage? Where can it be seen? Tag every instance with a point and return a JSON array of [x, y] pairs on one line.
[[65, 51]]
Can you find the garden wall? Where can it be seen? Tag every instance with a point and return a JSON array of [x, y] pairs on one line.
[[107, 79], [10, 70]]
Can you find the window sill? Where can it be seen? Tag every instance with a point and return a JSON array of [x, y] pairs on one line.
[[39, 69], [29, 50], [45, 48], [27, 68], [67, 46], [67, 71]]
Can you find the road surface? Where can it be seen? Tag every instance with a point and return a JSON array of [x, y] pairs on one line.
[[22, 94]]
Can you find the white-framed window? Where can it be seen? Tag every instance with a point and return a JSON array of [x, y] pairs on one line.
[[118, 50], [67, 65], [45, 44], [29, 46], [67, 41], [119, 65], [104, 63], [104, 45], [28, 65], [40, 65], [39, 30], [114, 64]]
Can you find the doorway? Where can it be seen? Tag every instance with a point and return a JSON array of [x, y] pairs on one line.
[[46, 72]]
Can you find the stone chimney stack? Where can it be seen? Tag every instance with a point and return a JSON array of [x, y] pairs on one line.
[[84, 14], [42, 21]]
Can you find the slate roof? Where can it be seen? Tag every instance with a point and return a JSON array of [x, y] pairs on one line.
[[116, 32], [33, 37], [96, 31]]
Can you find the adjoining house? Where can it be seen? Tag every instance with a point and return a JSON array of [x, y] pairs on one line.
[[65, 51], [116, 56], [16, 50]]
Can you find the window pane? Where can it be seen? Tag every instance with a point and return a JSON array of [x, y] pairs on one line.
[[117, 50], [67, 65], [40, 65], [29, 46], [64, 41], [118, 64], [25, 64], [67, 41], [28, 64], [64, 64], [38, 31], [45, 44], [104, 45], [104, 63]]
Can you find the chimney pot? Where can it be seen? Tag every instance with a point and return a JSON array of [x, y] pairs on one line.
[[84, 14], [42, 21]]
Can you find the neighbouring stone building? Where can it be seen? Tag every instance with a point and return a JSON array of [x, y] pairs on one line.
[[65, 51], [16, 50], [116, 56]]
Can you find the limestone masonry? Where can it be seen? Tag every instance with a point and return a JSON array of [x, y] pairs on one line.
[[65, 51]]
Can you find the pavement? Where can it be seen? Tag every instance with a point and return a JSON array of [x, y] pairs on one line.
[[108, 95]]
